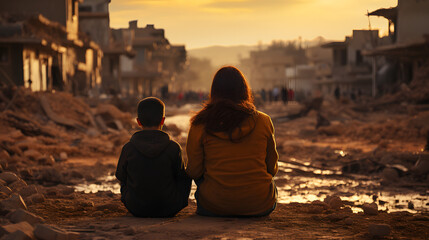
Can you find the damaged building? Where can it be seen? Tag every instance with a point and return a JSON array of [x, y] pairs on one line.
[[406, 48], [266, 67], [42, 49], [156, 62], [351, 70], [94, 20]]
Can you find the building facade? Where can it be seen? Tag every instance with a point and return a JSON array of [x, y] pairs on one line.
[[47, 52]]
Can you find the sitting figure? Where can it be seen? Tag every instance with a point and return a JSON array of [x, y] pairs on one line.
[[150, 169]]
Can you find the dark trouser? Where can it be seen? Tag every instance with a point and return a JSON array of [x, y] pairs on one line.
[[204, 212], [147, 208]]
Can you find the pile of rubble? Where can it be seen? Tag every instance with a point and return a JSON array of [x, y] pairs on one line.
[[16, 221], [45, 128], [39, 132]]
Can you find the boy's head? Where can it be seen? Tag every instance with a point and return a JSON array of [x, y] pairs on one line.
[[150, 112]]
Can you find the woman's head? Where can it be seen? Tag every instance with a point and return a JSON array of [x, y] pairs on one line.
[[230, 102], [230, 84]]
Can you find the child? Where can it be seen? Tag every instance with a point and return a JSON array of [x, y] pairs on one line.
[[150, 168]]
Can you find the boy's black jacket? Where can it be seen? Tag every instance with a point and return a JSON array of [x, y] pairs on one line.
[[151, 172]]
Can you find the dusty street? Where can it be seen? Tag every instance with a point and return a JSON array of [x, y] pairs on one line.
[[364, 175]]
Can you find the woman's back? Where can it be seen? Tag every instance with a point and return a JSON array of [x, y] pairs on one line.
[[237, 168]]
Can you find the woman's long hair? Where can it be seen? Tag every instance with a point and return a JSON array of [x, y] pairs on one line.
[[230, 102]]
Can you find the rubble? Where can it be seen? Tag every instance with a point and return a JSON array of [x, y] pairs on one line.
[[334, 202], [24, 228], [379, 230], [28, 191], [9, 177], [370, 208], [21, 215], [18, 185], [36, 198], [422, 165], [43, 231], [355, 145], [15, 201]]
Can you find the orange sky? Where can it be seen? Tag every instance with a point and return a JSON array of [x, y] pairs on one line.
[[201, 23]]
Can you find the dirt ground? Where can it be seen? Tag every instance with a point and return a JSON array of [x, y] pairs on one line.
[[365, 155]]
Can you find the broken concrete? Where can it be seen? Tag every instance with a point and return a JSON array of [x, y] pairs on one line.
[[47, 232], [15, 201], [21, 215], [379, 230], [24, 227], [9, 177], [370, 208]]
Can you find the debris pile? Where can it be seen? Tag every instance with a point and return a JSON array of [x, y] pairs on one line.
[[45, 128], [18, 223]]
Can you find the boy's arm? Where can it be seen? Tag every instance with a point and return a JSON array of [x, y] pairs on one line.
[[121, 169], [272, 155], [195, 152], [180, 165]]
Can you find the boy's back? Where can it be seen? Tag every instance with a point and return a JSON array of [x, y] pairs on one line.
[[150, 168], [153, 180]]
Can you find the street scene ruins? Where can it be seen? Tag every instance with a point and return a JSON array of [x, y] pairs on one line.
[[351, 122]]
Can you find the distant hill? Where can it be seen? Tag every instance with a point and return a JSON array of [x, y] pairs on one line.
[[222, 55]]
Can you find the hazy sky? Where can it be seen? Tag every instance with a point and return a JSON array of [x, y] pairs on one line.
[[201, 23]]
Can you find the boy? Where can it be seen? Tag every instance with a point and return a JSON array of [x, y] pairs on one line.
[[150, 168]]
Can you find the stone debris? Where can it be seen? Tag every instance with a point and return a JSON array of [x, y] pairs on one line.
[[9, 177], [348, 221], [63, 156], [334, 202], [36, 198], [48, 232], [18, 235], [4, 155], [32, 154], [15, 201], [422, 165], [21, 215], [129, 231], [379, 230], [24, 227], [18, 185], [370, 208], [46, 160], [335, 217], [28, 191], [2, 182], [389, 175], [6, 190]]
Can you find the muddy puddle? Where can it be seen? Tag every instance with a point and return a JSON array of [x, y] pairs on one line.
[[294, 187]]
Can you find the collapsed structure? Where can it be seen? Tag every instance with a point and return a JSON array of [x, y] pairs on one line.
[[68, 45], [47, 52], [156, 63], [406, 48]]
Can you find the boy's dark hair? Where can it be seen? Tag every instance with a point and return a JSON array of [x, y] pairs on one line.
[[150, 111]]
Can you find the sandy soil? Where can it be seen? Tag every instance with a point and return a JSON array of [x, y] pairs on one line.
[[102, 215], [363, 156]]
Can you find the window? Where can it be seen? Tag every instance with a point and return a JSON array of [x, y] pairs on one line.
[[343, 57], [85, 9], [4, 54], [359, 57], [74, 4]]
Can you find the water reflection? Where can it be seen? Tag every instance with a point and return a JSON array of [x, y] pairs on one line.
[[107, 183], [294, 186]]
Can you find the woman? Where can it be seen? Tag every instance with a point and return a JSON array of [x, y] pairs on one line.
[[232, 152]]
